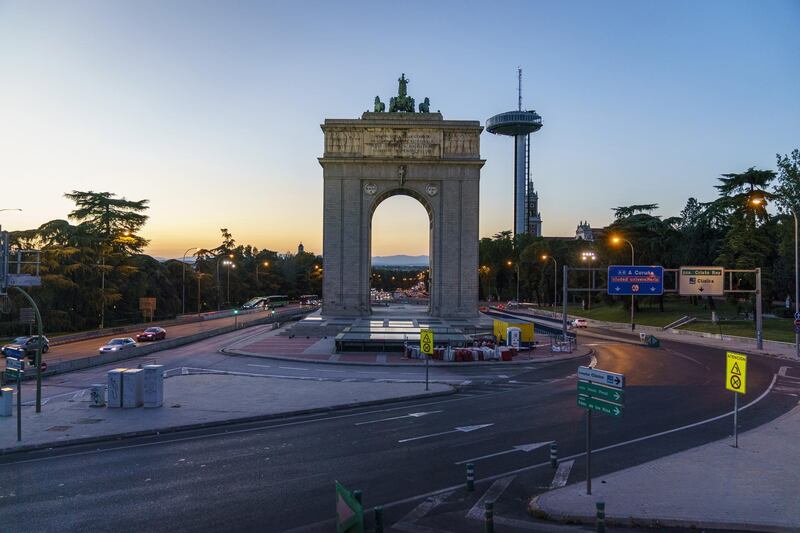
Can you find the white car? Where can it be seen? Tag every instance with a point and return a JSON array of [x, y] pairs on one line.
[[115, 345], [580, 323]]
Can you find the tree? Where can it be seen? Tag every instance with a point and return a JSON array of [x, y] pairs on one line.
[[113, 221], [628, 211], [788, 188]]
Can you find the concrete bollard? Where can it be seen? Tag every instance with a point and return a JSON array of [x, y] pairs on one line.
[[601, 517], [6, 401], [379, 519], [488, 514], [470, 477], [553, 454]]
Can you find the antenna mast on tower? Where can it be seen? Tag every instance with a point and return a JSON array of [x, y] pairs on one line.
[[519, 88]]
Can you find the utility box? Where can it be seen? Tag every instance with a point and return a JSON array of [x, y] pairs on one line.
[[115, 387], [526, 331], [6, 401], [153, 391], [512, 337], [132, 388], [98, 393]]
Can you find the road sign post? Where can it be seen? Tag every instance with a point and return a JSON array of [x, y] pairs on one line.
[[426, 347], [601, 391], [736, 381]]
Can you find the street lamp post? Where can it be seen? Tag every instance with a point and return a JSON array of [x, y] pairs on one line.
[[183, 279], [757, 201], [264, 264], [219, 258], [616, 240], [590, 257], [555, 280], [230, 265], [516, 268]]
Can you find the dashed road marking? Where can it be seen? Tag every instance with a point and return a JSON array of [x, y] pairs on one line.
[[409, 521], [493, 493], [562, 474]]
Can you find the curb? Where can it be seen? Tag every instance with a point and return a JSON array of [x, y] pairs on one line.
[[7, 452], [433, 364], [535, 510]]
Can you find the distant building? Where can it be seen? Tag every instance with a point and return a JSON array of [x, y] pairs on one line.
[[300, 248], [585, 232]]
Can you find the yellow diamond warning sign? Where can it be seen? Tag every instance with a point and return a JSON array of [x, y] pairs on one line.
[[426, 341], [736, 372]]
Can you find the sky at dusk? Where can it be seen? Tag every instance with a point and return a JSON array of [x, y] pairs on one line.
[[211, 110]]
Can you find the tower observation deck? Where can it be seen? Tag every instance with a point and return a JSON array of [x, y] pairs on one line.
[[520, 124]]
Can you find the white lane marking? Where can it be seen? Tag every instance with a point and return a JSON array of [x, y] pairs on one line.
[[502, 376], [578, 455], [409, 415], [462, 429], [783, 370], [466, 382], [261, 366], [409, 521], [494, 492], [562, 474], [370, 372], [185, 371], [519, 448], [294, 368]]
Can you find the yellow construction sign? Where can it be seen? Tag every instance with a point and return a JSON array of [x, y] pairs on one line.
[[426, 341], [736, 372]]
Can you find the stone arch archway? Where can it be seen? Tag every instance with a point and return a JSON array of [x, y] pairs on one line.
[[426, 204], [382, 155]]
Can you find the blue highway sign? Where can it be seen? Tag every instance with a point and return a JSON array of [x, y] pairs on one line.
[[635, 280]]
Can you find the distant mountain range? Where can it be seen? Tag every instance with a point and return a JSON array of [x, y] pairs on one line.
[[400, 260]]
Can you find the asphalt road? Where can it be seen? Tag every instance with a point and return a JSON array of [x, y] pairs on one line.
[[279, 475], [89, 347]]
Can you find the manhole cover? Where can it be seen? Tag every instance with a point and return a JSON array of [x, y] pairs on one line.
[[58, 428]]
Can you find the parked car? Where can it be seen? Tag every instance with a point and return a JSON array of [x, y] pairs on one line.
[[580, 323], [152, 334], [115, 345], [483, 309], [28, 345]]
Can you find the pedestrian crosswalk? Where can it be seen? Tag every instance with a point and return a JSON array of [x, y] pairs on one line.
[[786, 383]]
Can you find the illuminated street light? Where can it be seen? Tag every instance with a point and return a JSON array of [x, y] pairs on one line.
[[616, 240], [545, 257]]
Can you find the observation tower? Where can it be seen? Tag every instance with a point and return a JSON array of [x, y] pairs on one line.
[[520, 124]]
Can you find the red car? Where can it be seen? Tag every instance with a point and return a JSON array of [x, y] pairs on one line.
[[152, 334]]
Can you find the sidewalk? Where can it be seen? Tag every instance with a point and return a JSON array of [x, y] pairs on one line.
[[193, 401], [755, 487]]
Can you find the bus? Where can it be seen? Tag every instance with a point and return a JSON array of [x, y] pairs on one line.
[[275, 301], [309, 299]]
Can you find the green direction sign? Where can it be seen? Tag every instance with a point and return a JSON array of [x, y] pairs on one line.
[[593, 390], [601, 406], [349, 513]]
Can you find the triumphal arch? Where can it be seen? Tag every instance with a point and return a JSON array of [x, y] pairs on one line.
[[401, 151]]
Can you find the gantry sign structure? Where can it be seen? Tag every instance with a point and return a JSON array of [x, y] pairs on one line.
[[652, 280]]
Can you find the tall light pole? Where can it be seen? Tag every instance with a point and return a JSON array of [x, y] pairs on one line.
[[183, 280], [219, 258], [265, 264], [555, 280], [516, 268], [230, 265], [617, 240], [590, 257], [757, 201]]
